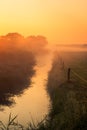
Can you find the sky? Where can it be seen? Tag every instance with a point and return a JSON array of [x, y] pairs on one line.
[[61, 21]]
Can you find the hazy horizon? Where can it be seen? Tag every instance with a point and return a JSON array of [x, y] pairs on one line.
[[60, 21]]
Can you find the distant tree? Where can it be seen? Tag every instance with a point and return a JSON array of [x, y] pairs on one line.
[[36, 43]]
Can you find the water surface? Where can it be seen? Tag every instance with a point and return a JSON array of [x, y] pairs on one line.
[[34, 102]]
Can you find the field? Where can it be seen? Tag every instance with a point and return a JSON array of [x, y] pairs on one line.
[[69, 98]]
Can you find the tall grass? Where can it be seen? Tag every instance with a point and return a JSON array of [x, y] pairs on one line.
[[13, 124]]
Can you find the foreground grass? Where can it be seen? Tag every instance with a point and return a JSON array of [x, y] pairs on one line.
[[13, 124]]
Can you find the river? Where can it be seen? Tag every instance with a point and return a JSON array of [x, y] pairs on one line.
[[34, 103]]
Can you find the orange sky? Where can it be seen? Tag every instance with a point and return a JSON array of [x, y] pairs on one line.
[[61, 21]]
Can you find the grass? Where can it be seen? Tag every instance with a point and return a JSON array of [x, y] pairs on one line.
[[14, 125], [69, 99]]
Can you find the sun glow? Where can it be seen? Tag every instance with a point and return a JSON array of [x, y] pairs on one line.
[[60, 21]]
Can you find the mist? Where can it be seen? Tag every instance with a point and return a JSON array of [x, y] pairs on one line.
[[34, 44], [17, 61]]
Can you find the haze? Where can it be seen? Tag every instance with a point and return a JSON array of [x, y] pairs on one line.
[[61, 21]]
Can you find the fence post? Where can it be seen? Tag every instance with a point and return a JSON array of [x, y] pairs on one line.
[[68, 74]]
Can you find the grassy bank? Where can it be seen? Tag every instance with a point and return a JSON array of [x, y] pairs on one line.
[[16, 70], [69, 99]]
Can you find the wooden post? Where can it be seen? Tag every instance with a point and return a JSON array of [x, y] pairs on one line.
[[68, 74]]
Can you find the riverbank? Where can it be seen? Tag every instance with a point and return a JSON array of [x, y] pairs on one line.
[[16, 70], [69, 99]]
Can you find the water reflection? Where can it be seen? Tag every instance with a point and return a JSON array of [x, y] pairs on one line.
[[16, 70]]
